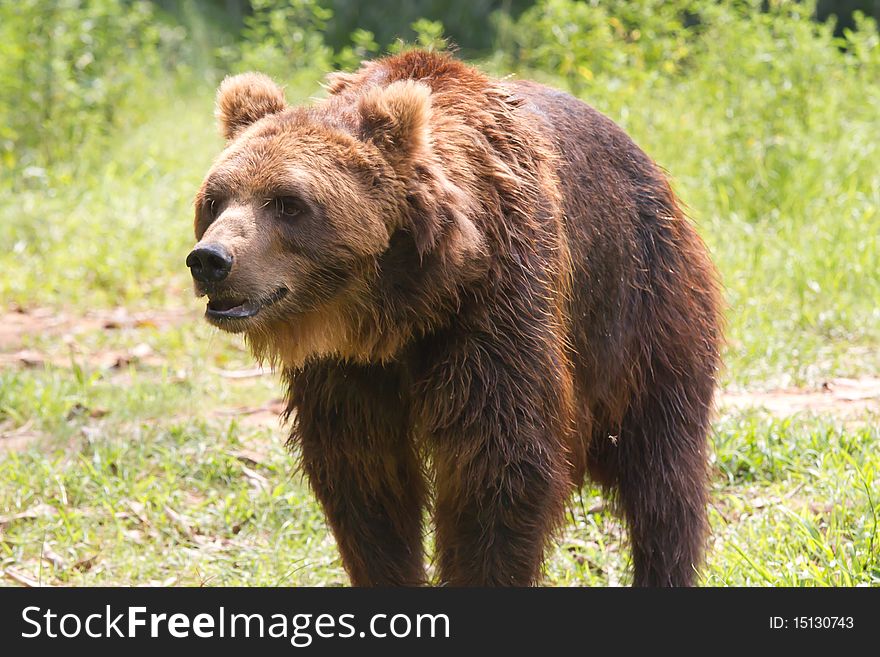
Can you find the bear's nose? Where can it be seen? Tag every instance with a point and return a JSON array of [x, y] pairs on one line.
[[209, 263]]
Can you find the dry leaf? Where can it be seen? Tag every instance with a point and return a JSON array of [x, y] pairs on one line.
[[39, 511], [23, 579], [248, 456], [179, 521], [243, 374], [255, 478], [86, 564], [30, 358], [53, 557]]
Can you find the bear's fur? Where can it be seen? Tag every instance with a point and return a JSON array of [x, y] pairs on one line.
[[479, 292]]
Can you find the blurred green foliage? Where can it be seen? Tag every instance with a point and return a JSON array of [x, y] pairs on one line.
[[68, 70], [465, 22], [280, 36]]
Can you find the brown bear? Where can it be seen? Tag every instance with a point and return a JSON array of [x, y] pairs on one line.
[[479, 292]]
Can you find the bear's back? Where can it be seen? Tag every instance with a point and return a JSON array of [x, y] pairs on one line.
[[639, 267]]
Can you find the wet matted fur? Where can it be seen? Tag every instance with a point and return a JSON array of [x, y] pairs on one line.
[[480, 292]]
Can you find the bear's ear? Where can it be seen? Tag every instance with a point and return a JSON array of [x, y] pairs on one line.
[[338, 81], [396, 118], [245, 98]]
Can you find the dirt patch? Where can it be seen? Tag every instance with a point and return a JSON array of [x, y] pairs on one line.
[[840, 397], [17, 323], [267, 415], [843, 398], [20, 438], [103, 359]]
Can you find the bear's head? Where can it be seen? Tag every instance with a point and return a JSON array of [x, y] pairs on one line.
[[295, 215]]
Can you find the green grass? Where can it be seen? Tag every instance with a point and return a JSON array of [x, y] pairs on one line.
[[167, 501], [141, 474]]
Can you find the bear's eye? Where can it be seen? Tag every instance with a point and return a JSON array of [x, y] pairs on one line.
[[288, 206], [211, 207]]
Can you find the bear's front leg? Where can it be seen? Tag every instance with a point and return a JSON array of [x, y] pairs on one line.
[[351, 425], [497, 419]]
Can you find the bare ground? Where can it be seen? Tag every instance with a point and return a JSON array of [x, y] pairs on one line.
[[838, 396], [17, 324]]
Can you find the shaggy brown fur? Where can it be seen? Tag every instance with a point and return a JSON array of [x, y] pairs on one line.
[[479, 292]]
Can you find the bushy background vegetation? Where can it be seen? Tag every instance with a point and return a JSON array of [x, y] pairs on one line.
[[766, 118]]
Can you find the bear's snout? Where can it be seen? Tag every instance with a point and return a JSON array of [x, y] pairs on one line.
[[210, 263]]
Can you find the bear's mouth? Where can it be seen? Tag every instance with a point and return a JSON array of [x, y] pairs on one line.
[[230, 308]]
